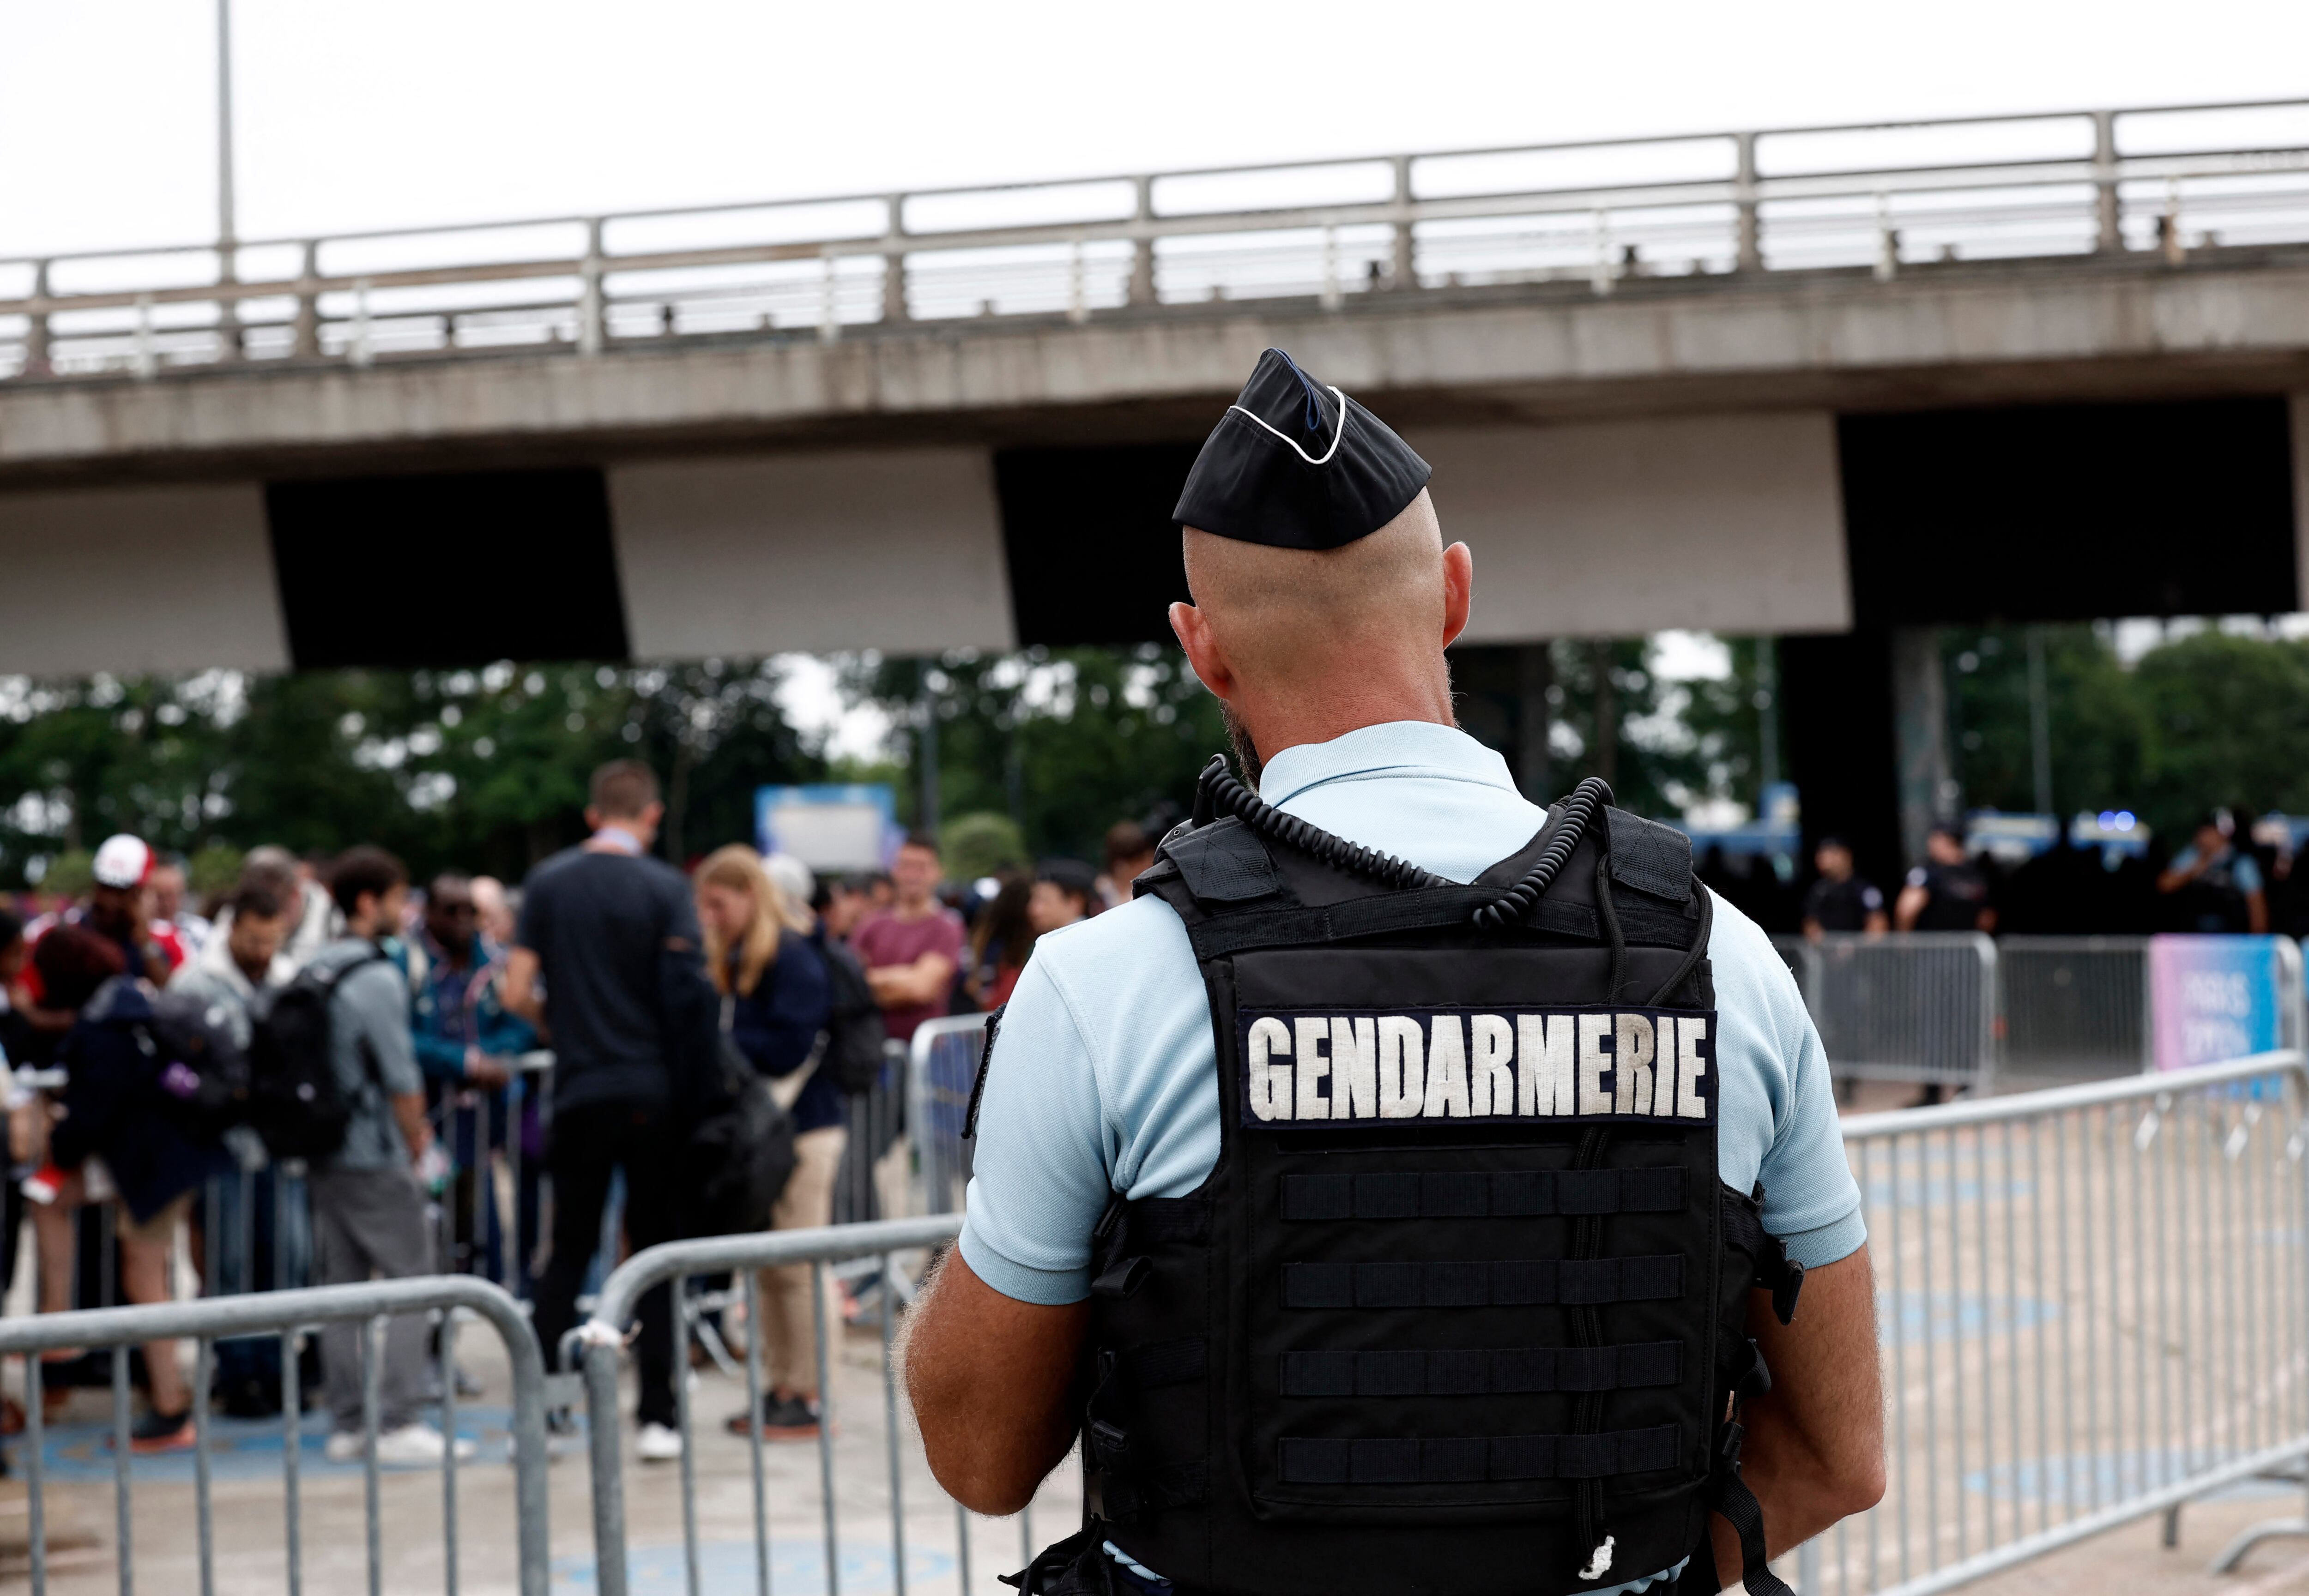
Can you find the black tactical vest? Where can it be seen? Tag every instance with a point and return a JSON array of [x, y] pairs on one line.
[[1461, 1307]]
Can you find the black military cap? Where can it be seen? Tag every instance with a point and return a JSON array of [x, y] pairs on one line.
[[1295, 464]]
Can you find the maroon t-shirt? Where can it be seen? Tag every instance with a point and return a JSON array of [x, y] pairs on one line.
[[885, 939]]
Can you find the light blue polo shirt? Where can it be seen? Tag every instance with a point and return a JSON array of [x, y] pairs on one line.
[[1105, 1077]]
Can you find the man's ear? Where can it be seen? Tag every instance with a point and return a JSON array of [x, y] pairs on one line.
[[1458, 591], [653, 814], [592, 818], [1195, 635]]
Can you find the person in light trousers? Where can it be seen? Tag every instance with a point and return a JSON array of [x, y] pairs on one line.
[[776, 1003]]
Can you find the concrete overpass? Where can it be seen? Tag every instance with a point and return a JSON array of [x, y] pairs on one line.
[[1800, 383]]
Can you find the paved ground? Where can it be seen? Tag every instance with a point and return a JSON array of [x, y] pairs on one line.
[[250, 1535], [2064, 1318]]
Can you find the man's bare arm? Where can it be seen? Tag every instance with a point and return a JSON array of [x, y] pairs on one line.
[[926, 979], [416, 1130], [1909, 906], [992, 1383], [1814, 1451], [518, 991]]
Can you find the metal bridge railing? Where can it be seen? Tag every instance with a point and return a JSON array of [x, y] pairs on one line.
[[1886, 198], [284, 1315]]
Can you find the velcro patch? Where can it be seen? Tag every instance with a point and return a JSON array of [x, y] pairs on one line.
[[1302, 1069]]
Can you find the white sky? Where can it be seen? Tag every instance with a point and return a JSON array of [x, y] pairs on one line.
[[355, 116]]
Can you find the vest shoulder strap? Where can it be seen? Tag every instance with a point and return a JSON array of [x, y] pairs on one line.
[[1650, 856]]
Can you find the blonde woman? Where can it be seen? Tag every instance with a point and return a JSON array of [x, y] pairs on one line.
[[776, 1004]]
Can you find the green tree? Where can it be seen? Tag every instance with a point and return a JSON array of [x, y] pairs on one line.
[[2095, 713], [1064, 741], [484, 770], [2226, 722], [980, 844], [1724, 717], [1615, 716]]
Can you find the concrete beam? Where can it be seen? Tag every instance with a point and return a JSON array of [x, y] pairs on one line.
[[897, 549], [153, 579], [1616, 528], [1958, 334]]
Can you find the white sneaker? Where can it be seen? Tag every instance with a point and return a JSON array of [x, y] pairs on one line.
[[658, 1444], [413, 1445]]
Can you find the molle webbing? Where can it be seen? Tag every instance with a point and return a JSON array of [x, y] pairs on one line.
[[1507, 1283], [1154, 1221], [1169, 1363], [1503, 1371], [1432, 908], [1472, 1460], [1455, 1196]]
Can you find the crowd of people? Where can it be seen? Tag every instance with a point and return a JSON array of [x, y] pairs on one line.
[[2229, 877], [425, 1034]]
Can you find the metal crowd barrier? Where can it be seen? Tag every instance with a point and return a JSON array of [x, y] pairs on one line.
[[2074, 1006], [467, 1211], [1918, 1006], [2091, 1309], [284, 1314], [942, 1070], [1959, 1008], [602, 1339], [876, 1122], [2090, 1304]]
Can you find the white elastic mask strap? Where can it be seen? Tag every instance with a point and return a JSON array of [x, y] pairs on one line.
[[1295, 449]]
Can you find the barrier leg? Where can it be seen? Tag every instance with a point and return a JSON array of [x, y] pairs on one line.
[[2275, 1529], [608, 1477]]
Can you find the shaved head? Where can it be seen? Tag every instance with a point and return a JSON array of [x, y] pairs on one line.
[[1297, 641], [1283, 611]]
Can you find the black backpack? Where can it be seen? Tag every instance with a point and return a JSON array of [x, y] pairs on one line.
[[740, 1153], [294, 1102], [201, 1071], [737, 1152], [854, 1031]]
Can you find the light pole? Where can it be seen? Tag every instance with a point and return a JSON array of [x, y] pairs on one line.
[[227, 268]]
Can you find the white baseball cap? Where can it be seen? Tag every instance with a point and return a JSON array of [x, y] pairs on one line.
[[123, 861], [794, 878]]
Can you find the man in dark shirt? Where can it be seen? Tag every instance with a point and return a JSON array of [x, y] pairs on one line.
[[606, 927], [2215, 885], [1840, 901], [1947, 893]]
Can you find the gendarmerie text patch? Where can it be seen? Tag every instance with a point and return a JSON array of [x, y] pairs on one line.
[[1304, 1069]]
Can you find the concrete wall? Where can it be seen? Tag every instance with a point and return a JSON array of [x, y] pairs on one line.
[[899, 550], [156, 578], [1725, 523], [1730, 523]]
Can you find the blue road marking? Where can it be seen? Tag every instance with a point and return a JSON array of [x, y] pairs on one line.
[[244, 1449], [1948, 1316]]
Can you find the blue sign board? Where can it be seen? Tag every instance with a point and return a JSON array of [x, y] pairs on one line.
[[829, 826]]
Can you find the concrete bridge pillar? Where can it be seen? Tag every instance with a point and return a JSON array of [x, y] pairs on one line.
[[1928, 795]]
